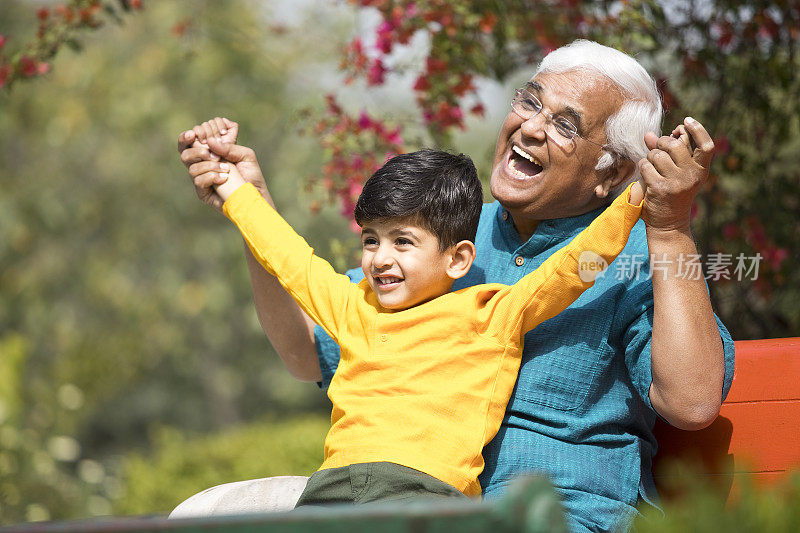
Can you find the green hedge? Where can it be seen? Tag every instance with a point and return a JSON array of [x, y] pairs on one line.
[[698, 505], [180, 466]]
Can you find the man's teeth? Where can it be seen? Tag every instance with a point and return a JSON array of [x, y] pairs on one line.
[[524, 173], [526, 155]]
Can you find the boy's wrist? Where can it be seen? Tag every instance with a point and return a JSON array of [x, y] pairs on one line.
[[233, 180]]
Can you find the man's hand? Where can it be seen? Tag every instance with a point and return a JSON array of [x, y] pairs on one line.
[[674, 175], [205, 151], [687, 358], [222, 128]]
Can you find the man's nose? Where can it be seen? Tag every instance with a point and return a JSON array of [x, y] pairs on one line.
[[535, 126]]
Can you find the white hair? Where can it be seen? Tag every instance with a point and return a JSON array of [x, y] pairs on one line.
[[641, 110]]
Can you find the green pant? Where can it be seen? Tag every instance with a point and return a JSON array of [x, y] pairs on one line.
[[371, 482]]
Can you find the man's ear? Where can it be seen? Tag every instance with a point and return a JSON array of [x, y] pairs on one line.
[[461, 257], [615, 175]]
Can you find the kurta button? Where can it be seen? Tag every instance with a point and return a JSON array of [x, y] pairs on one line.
[[505, 215], [384, 337], [519, 260]]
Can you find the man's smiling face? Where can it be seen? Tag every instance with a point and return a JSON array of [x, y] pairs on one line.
[[537, 178], [403, 264]]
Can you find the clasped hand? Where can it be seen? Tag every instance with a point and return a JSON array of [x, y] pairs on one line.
[[674, 175]]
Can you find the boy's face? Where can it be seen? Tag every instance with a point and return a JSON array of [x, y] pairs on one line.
[[403, 263]]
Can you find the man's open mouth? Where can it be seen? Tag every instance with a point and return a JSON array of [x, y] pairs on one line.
[[522, 164]]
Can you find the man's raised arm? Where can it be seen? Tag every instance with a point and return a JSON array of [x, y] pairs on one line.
[[687, 356], [287, 327]]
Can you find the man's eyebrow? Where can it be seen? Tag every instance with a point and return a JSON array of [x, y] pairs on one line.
[[533, 86], [568, 112]]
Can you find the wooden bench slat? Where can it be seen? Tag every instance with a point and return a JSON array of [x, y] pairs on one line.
[[765, 435], [755, 438], [766, 370]]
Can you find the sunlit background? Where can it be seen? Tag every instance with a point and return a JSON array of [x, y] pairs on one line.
[[133, 371]]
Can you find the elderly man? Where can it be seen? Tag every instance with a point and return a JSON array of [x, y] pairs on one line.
[[634, 347]]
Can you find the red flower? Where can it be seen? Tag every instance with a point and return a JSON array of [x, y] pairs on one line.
[[394, 137], [42, 13], [27, 66], [384, 40], [422, 84], [5, 71], [66, 12], [477, 110], [435, 65], [756, 235], [180, 28], [376, 73], [333, 107], [364, 122], [488, 22], [464, 85], [730, 231], [781, 254], [2, 41]]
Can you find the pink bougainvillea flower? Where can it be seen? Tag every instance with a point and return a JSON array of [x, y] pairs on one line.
[[376, 73]]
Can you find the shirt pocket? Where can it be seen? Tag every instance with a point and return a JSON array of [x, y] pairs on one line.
[[561, 364]]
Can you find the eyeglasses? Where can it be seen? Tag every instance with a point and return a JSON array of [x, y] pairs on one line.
[[559, 129]]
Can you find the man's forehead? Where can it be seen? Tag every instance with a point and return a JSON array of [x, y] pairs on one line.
[[585, 93], [572, 85], [568, 107]]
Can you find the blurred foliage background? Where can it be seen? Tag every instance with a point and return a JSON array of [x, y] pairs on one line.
[[133, 371], [125, 306]]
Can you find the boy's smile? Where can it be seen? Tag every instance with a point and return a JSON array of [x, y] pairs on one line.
[[403, 264]]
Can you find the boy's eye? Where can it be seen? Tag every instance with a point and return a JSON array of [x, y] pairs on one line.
[[403, 241], [369, 241]]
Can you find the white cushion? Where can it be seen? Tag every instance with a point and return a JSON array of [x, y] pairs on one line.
[[269, 494]]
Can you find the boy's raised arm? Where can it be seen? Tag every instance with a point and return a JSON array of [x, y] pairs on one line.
[[288, 328], [313, 283], [566, 274]]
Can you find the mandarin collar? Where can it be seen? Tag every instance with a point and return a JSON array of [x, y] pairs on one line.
[[547, 230]]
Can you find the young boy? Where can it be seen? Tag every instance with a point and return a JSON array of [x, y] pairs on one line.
[[425, 373]]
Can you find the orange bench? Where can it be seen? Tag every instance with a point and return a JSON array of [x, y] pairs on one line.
[[756, 436]]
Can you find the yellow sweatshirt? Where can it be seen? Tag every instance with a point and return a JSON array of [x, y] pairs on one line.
[[425, 387]]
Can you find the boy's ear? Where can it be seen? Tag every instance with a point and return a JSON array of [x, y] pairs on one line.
[[461, 257], [615, 175]]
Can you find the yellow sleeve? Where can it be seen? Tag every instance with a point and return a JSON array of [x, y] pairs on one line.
[[563, 277], [310, 280]]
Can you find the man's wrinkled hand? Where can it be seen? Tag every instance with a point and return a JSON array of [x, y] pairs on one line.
[[208, 151], [675, 169]]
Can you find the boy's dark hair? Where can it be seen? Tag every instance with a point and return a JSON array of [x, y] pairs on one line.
[[437, 190]]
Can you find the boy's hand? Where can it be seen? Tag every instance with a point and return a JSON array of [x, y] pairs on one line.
[[234, 181], [637, 193], [673, 174]]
